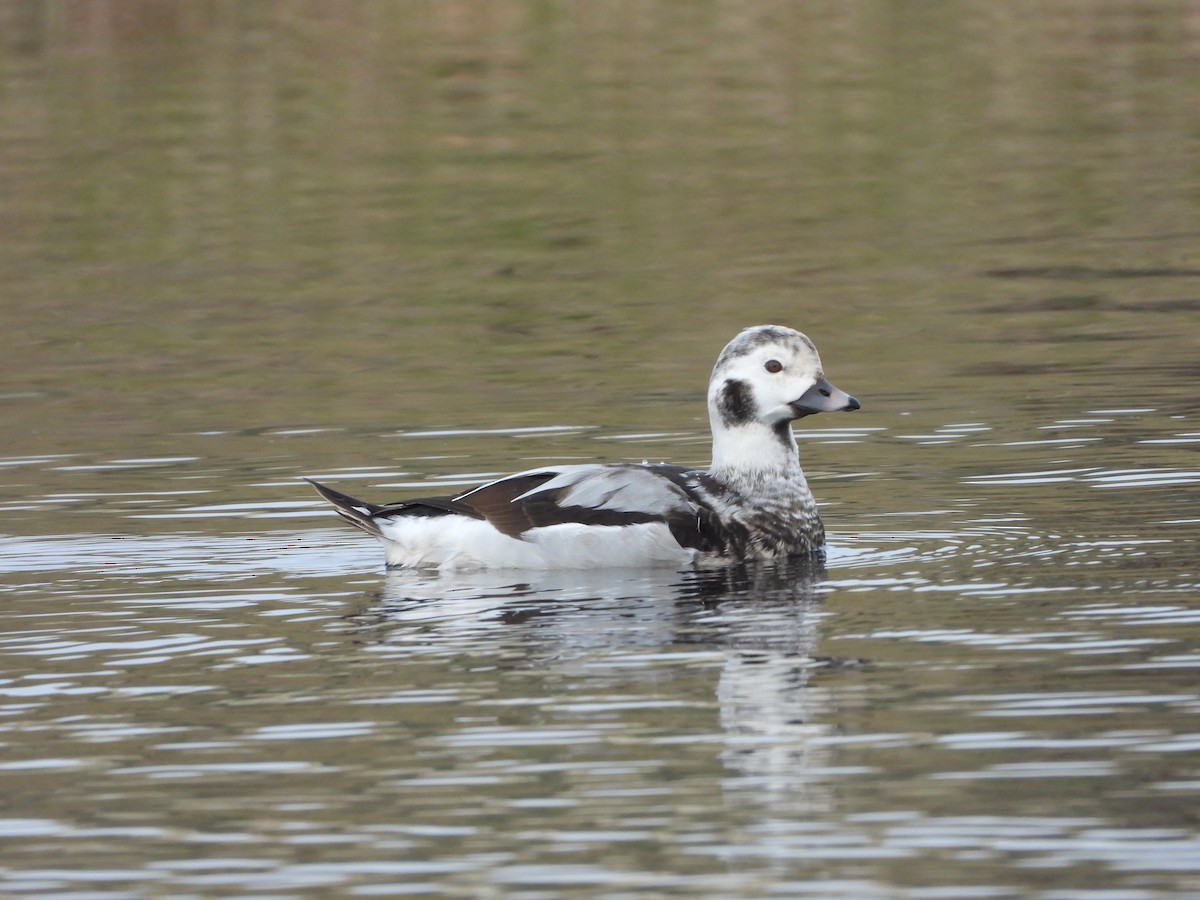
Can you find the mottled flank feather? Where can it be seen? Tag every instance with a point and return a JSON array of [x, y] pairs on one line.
[[753, 503]]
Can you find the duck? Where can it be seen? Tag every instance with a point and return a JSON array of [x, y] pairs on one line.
[[752, 503]]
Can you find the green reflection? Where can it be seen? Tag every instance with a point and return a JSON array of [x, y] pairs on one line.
[[230, 214]]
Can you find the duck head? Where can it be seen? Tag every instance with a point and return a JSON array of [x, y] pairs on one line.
[[766, 378]]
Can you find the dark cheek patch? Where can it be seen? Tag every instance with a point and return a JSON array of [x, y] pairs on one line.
[[783, 432], [736, 403]]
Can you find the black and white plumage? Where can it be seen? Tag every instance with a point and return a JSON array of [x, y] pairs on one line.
[[752, 503]]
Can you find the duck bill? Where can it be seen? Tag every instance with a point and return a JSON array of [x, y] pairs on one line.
[[823, 397]]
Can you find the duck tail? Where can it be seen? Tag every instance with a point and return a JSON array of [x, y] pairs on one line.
[[356, 512]]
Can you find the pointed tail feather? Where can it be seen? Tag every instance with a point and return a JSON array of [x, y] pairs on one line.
[[356, 512]]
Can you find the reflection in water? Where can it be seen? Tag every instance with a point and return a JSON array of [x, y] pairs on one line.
[[769, 712], [758, 622], [390, 184], [474, 599]]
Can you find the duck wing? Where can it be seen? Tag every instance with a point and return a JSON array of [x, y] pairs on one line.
[[613, 495], [586, 495]]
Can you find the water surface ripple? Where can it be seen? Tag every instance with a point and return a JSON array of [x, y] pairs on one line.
[[408, 247], [993, 685]]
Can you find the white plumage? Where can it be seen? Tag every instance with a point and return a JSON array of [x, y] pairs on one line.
[[752, 503]]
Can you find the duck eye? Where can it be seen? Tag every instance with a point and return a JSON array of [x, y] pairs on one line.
[[773, 366]]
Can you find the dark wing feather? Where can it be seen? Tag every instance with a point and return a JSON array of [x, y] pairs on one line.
[[495, 502], [514, 505], [703, 530], [427, 506], [364, 514]]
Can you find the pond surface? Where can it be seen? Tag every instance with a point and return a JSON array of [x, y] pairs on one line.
[[405, 247]]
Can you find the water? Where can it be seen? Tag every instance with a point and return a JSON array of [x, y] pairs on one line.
[[410, 248]]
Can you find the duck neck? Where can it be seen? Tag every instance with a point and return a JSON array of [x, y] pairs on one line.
[[755, 453]]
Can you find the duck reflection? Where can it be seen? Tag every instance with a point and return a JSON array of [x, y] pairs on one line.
[[756, 624]]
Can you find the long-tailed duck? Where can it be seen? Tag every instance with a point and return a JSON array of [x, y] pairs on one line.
[[752, 503]]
